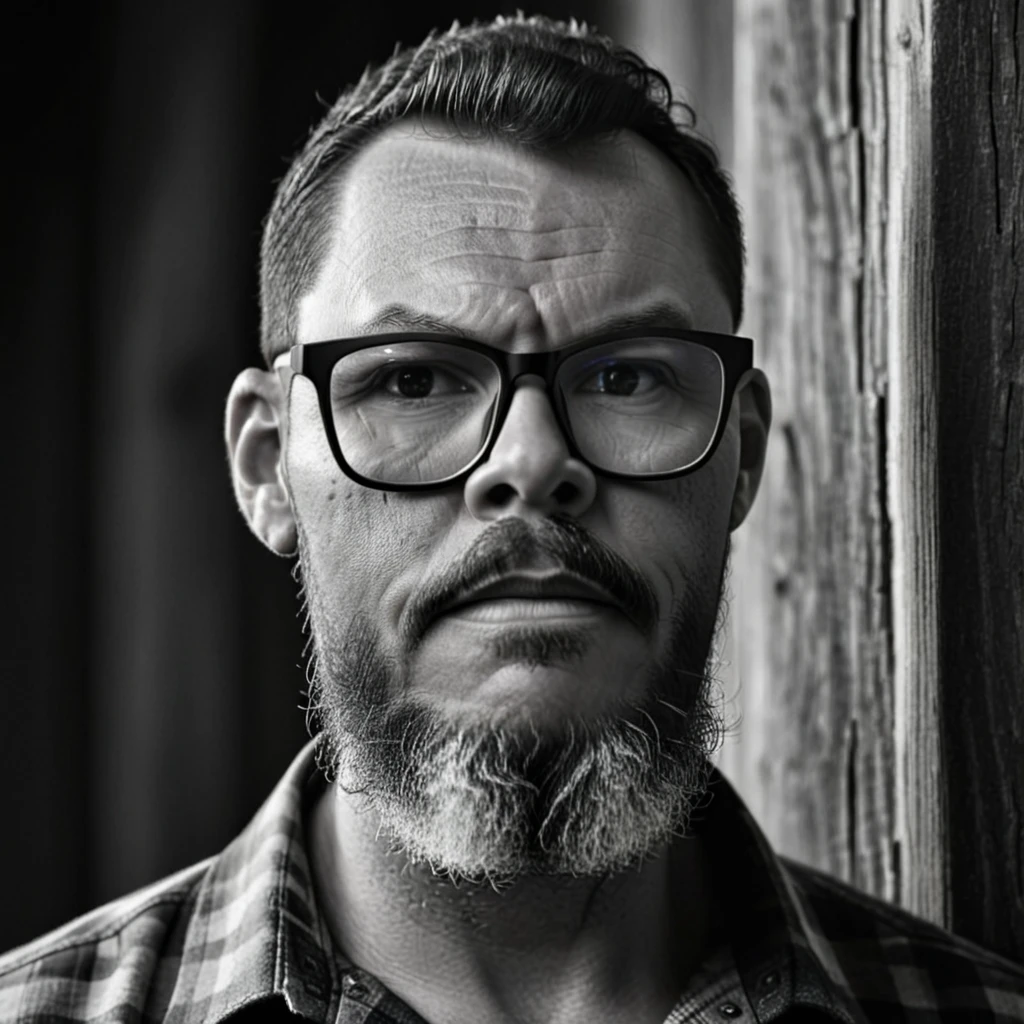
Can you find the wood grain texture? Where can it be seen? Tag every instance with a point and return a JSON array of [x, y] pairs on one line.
[[812, 608], [898, 323], [835, 575], [978, 224]]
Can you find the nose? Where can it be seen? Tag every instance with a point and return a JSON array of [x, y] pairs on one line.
[[530, 467]]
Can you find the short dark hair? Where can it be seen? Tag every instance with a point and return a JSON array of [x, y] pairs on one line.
[[532, 81]]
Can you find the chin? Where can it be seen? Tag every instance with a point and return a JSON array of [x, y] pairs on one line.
[[545, 698], [541, 677]]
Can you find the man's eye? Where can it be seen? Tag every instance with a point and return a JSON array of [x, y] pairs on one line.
[[420, 380], [623, 379]]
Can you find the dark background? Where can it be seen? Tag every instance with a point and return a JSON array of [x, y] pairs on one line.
[[151, 656]]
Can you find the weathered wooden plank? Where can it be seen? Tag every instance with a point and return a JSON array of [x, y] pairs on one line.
[[899, 330], [821, 588], [978, 226]]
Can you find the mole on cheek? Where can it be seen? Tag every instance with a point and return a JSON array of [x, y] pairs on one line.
[[330, 497]]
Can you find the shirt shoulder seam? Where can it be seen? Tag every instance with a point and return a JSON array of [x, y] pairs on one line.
[[102, 931]]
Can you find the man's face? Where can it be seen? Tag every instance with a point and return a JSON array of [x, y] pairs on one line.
[[526, 252]]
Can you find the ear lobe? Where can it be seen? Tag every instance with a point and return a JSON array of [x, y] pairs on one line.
[[254, 434], [755, 401]]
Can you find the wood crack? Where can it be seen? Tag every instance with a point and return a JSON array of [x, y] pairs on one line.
[[851, 798], [993, 134]]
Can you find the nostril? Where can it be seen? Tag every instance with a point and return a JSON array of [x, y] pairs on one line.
[[500, 495]]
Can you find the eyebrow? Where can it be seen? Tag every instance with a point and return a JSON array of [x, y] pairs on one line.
[[405, 319], [658, 314]]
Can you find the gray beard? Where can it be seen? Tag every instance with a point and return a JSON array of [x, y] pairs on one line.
[[498, 801]]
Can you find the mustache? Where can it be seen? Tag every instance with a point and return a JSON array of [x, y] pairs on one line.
[[511, 544]]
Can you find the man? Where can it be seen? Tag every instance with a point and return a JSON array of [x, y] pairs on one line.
[[508, 430]]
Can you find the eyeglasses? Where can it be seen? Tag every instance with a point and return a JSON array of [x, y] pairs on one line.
[[405, 412]]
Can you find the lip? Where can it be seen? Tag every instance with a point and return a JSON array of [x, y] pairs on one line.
[[538, 586], [506, 611]]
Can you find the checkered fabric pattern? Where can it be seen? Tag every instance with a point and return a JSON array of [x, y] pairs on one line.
[[239, 937]]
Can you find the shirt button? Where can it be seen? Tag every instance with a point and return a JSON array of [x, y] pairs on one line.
[[729, 1010], [354, 988], [314, 987]]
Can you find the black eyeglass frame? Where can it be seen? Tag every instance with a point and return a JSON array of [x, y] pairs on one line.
[[316, 360]]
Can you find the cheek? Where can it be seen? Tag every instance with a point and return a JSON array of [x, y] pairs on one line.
[[675, 531], [679, 516], [360, 549], [350, 534], [368, 549]]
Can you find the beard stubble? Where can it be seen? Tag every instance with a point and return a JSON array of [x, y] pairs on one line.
[[496, 801]]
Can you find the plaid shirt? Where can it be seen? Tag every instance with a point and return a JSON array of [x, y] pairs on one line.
[[239, 937]]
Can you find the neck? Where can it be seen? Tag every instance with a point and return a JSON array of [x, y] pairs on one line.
[[540, 949]]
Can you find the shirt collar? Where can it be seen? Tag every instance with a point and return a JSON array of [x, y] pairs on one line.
[[256, 930], [783, 956]]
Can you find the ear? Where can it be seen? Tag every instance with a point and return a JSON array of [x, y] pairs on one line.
[[255, 435], [755, 401]]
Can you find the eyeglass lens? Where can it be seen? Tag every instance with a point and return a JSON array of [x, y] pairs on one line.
[[422, 411]]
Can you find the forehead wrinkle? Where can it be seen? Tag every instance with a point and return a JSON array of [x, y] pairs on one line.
[[420, 203], [433, 188], [487, 191], [559, 303], [624, 208], [394, 222], [679, 297], [542, 247], [515, 273], [487, 257], [631, 220], [624, 212], [543, 233]]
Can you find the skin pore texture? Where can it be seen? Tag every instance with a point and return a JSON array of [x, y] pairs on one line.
[[506, 833]]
